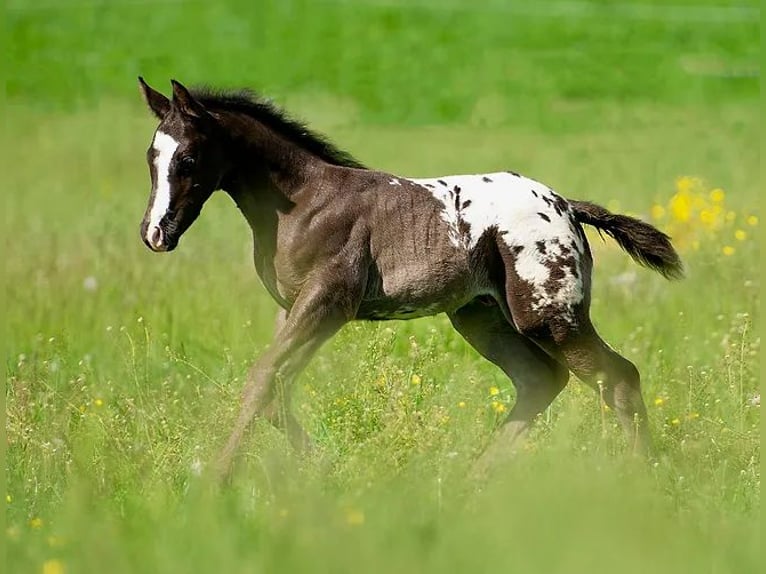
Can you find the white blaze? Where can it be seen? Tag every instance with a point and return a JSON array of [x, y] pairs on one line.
[[165, 146]]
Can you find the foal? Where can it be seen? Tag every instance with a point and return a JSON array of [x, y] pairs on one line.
[[503, 255]]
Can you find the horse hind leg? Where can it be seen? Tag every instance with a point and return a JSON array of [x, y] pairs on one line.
[[615, 378], [537, 377], [577, 345], [555, 315]]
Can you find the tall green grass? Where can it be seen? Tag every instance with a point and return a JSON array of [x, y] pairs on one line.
[[123, 368]]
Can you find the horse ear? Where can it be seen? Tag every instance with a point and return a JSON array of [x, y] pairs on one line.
[[158, 103], [185, 102]]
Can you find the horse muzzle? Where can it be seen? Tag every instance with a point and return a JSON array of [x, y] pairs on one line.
[[157, 239]]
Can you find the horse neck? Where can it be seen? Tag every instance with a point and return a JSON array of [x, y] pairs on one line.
[[259, 152], [267, 171]]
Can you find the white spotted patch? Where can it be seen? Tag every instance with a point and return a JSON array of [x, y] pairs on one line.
[[527, 214], [165, 147]]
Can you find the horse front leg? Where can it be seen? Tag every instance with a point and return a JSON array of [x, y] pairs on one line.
[[277, 411], [284, 360], [317, 314]]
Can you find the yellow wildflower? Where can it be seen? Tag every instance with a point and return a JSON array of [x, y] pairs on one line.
[[53, 567], [8, 498], [693, 415], [36, 522], [681, 206], [354, 517], [752, 220], [98, 402], [708, 217], [740, 234], [676, 421], [498, 407], [727, 250], [685, 183], [659, 401], [717, 195], [461, 404], [416, 380], [494, 391]]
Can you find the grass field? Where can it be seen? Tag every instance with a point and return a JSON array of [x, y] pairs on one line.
[[123, 368]]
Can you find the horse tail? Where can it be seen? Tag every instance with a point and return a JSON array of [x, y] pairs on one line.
[[646, 244]]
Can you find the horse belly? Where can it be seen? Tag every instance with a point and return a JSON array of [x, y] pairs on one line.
[[418, 289]]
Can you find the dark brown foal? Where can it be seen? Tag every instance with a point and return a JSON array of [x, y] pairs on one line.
[[336, 242]]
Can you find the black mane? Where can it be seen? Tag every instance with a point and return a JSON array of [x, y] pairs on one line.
[[265, 112]]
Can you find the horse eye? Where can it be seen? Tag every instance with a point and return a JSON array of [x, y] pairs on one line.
[[185, 165]]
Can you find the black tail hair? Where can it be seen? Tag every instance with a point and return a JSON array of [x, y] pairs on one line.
[[646, 244]]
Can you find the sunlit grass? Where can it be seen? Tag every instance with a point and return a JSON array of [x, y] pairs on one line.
[[124, 371], [124, 368]]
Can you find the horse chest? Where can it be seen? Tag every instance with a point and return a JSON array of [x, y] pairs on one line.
[[266, 269], [284, 258]]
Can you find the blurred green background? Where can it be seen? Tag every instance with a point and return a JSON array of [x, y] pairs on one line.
[[415, 62], [123, 368]]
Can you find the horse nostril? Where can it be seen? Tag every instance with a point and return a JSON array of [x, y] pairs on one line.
[[157, 237]]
